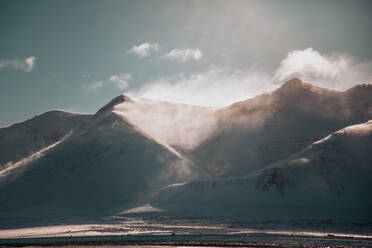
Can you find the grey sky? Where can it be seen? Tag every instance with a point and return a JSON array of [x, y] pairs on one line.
[[82, 49]]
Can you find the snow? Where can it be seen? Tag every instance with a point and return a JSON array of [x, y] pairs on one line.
[[329, 179], [300, 152], [163, 229], [25, 138], [104, 165], [251, 134], [25, 161], [168, 123], [147, 208]]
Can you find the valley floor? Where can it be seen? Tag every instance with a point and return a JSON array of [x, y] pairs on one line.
[[163, 232], [254, 240]]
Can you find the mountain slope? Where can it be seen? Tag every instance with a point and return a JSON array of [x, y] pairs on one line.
[[180, 126], [104, 165], [328, 180], [25, 138], [189, 160], [259, 131]]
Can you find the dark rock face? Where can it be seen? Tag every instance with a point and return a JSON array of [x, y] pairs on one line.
[[109, 106]]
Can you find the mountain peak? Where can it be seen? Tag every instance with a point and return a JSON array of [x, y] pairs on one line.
[[117, 100], [297, 86], [293, 83], [361, 87]]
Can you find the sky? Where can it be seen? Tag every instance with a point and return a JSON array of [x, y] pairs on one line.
[[77, 55]]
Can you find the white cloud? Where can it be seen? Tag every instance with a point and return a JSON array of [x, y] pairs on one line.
[[336, 71], [30, 61], [25, 64], [223, 86], [120, 81], [145, 49], [96, 85], [215, 87], [184, 54]]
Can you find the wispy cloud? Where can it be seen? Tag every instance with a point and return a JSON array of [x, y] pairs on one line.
[[145, 49], [336, 71], [120, 81], [24, 64], [214, 87], [96, 85], [223, 86], [184, 54]]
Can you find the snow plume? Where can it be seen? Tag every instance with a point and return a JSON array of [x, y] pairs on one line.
[[168, 123], [177, 171], [215, 87], [335, 71], [144, 50], [25, 64]]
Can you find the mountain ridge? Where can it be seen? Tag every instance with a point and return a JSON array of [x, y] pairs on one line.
[[140, 151], [21, 139], [274, 125], [323, 177]]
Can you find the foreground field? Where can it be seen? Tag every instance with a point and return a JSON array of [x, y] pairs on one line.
[[254, 240], [125, 231]]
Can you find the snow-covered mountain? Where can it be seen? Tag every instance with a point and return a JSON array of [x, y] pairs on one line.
[[254, 133], [330, 179], [103, 165], [278, 155]]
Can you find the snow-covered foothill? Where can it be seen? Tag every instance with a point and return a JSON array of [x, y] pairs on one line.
[[330, 179]]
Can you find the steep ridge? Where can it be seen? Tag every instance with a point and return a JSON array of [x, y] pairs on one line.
[[113, 103], [25, 138], [328, 180], [259, 131], [105, 165]]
